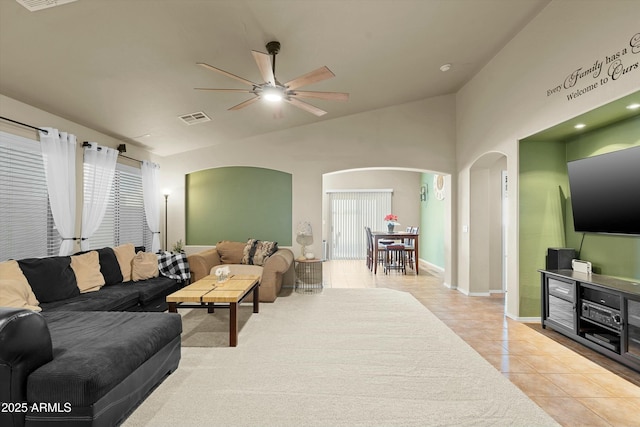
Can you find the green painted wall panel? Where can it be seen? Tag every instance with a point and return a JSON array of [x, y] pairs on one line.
[[542, 188], [546, 219], [238, 203], [432, 224]]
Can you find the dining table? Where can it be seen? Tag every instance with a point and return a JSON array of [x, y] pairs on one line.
[[379, 236]]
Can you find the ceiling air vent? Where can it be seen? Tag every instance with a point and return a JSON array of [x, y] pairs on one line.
[[35, 5], [195, 118]]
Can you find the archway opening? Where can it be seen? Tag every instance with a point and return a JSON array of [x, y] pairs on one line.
[[488, 222], [414, 198]]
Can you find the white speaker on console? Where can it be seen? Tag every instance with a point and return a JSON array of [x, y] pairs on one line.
[[581, 266]]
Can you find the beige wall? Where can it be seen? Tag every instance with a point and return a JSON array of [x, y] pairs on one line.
[[418, 135], [508, 100]]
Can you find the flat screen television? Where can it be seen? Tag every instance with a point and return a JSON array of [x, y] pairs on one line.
[[605, 192]]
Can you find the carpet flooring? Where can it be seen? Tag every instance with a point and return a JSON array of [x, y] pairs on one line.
[[343, 357]]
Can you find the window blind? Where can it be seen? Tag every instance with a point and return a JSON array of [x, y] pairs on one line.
[[27, 228], [350, 212], [124, 220]]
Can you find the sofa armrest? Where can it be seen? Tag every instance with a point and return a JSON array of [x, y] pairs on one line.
[[201, 263], [25, 344], [277, 271]]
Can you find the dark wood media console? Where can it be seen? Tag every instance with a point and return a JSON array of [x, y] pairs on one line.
[[600, 312]]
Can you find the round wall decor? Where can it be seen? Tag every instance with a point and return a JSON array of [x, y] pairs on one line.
[[438, 186]]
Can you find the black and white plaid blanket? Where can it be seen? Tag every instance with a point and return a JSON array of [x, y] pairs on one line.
[[174, 266]]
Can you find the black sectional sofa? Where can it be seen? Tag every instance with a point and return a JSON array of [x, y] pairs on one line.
[[87, 359]]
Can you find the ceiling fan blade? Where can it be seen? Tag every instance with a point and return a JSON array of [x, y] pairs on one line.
[[307, 107], [226, 73], [224, 90], [264, 64], [314, 76], [330, 96], [245, 103]]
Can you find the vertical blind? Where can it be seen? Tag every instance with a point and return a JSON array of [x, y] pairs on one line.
[[26, 224], [350, 212], [124, 220]]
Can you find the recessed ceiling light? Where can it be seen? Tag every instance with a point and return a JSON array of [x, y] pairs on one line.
[[445, 67], [634, 106], [579, 126]]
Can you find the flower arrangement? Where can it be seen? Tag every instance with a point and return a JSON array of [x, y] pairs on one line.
[[392, 221], [391, 218]]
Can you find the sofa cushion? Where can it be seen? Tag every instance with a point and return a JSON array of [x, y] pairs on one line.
[[17, 294], [108, 298], [230, 252], [51, 279], [124, 254], [96, 351], [109, 266], [86, 267], [256, 251], [153, 288], [14, 288], [144, 266]]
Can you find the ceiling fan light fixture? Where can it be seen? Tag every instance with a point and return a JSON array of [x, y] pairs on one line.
[[272, 94]]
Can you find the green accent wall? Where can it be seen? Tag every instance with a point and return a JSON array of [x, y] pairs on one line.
[[238, 203], [543, 185], [432, 224], [546, 219]]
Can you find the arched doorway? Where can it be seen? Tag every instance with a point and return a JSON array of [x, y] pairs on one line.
[[488, 224], [413, 191]]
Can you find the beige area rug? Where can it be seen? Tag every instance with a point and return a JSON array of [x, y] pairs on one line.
[[343, 357]]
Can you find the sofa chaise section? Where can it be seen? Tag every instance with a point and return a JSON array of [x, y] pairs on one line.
[[101, 364]]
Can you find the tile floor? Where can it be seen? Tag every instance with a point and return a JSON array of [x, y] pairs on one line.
[[575, 389]]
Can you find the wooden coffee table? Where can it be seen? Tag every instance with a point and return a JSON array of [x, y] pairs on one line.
[[209, 293]]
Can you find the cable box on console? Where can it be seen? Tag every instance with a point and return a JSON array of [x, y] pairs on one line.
[[612, 342]]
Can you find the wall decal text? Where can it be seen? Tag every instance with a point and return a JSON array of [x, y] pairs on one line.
[[619, 64]]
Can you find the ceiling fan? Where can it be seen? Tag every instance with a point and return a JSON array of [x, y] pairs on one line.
[[273, 90]]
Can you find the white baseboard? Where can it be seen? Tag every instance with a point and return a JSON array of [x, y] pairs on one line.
[[474, 294], [450, 286], [524, 319]]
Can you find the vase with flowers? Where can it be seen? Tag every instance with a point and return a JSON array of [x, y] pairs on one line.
[[392, 221]]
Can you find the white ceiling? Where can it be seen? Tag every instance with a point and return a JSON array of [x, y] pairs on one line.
[[128, 67]]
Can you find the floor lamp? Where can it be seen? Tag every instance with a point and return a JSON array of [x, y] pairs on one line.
[[166, 219]]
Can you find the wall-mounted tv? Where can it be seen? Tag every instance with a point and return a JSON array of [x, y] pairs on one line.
[[605, 192]]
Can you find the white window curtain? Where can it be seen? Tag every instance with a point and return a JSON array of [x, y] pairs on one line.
[[99, 171], [151, 194], [59, 158]]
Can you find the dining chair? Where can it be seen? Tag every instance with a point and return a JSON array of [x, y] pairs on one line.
[[395, 258], [367, 231], [410, 247]]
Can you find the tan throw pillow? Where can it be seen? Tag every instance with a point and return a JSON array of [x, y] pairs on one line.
[[230, 252], [144, 266], [87, 270], [14, 288], [124, 255]]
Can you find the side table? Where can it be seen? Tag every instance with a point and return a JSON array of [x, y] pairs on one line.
[[308, 276]]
